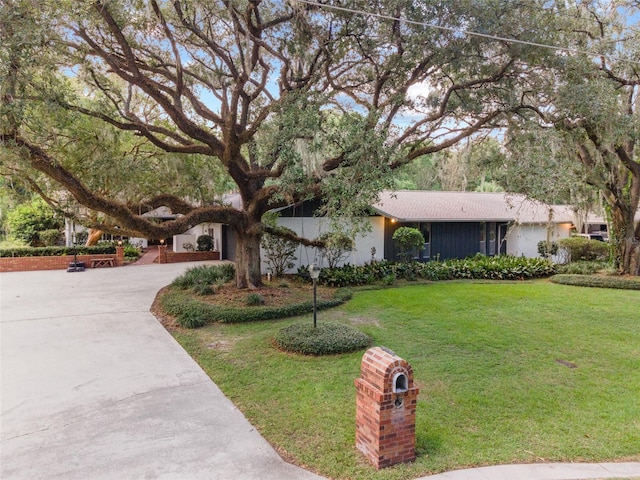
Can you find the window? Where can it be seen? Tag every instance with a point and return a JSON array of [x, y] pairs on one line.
[[425, 228], [483, 238], [492, 238]]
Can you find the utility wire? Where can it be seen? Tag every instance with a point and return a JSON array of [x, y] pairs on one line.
[[467, 32]]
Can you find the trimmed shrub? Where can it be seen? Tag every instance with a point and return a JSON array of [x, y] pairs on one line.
[[407, 239], [581, 248], [325, 339], [185, 308], [57, 251], [598, 281], [205, 243]]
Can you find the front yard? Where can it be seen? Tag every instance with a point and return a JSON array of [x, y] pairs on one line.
[[510, 372]]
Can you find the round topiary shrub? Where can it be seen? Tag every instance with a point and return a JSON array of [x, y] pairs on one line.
[[205, 243], [325, 339]]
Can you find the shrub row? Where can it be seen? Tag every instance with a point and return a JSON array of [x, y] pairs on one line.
[[196, 277], [584, 267], [597, 281], [57, 251], [193, 313], [479, 267], [325, 339]]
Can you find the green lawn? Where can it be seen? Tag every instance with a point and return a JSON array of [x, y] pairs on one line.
[[491, 360]]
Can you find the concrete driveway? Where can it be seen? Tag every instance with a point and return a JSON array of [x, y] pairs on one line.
[[93, 387]]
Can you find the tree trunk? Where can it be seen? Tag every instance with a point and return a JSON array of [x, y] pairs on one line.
[[634, 259], [94, 237], [625, 243], [248, 268]]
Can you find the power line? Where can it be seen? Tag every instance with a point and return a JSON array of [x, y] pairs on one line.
[[467, 32]]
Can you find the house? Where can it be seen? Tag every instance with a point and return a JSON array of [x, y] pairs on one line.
[[453, 224], [461, 224]]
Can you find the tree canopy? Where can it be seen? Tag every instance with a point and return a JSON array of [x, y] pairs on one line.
[[125, 105], [585, 118]]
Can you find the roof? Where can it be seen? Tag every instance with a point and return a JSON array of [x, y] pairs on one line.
[[431, 206]]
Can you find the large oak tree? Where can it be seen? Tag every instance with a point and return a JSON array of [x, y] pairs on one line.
[[292, 99], [587, 118]]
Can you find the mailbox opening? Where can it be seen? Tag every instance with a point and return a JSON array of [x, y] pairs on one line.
[[400, 384]]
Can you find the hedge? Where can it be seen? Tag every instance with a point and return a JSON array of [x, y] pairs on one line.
[[597, 281], [56, 251], [193, 313], [479, 267], [325, 339]]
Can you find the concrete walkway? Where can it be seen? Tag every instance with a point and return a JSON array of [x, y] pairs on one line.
[[93, 387]]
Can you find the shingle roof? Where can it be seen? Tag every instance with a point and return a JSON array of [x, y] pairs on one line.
[[431, 206]]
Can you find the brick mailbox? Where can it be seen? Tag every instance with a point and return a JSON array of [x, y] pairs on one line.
[[385, 409]]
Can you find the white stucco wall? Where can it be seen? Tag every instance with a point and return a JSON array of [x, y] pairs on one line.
[[191, 236], [314, 227], [522, 240]]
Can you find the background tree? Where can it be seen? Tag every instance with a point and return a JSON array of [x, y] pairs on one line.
[[241, 85], [28, 221], [587, 112]]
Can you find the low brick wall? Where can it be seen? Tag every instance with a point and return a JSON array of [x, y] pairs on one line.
[[61, 262], [167, 256]]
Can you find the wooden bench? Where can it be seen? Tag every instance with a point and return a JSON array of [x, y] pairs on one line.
[[102, 262]]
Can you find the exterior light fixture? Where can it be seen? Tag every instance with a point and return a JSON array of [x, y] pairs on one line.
[[314, 272]]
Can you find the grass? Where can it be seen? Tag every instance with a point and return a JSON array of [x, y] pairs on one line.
[[493, 362]]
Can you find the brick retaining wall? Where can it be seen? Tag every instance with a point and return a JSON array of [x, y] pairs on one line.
[[59, 262], [167, 256]]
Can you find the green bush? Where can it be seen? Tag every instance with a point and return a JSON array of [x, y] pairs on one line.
[[131, 251], [325, 339], [337, 247], [57, 251], [28, 220], [186, 309], [389, 280], [623, 283], [547, 249], [51, 237], [583, 267], [203, 289], [581, 248], [279, 252], [478, 267], [205, 275], [407, 239], [205, 243], [254, 300]]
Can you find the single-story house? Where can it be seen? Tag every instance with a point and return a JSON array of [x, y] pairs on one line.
[[453, 224]]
